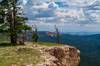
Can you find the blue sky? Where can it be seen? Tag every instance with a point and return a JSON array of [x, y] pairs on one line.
[[68, 15]]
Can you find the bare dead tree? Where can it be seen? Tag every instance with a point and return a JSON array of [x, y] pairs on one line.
[[57, 35], [35, 34]]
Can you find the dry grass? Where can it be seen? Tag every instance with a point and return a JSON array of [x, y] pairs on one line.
[[47, 44], [19, 55]]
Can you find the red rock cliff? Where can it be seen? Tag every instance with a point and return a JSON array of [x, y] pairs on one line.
[[59, 56]]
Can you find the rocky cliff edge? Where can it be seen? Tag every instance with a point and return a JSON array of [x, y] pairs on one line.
[[58, 55]]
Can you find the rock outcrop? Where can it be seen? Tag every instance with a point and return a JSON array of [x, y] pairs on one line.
[[59, 56]]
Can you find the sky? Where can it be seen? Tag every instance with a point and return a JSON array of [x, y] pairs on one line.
[[68, 15]]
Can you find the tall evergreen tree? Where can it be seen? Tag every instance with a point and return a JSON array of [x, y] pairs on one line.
[[10, 17]]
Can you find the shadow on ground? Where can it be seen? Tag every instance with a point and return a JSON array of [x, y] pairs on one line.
[[7, 44]]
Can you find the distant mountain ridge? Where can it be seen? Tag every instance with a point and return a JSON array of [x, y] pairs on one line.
[[76, 33]]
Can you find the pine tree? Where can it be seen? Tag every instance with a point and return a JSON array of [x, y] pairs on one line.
[[10, 18]]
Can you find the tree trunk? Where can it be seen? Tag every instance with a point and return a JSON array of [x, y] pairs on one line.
[[57, 35], [13, 34], [13, 31], [13, 39]]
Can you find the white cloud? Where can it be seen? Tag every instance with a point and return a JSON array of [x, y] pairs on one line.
[[52, 5], [46, 15], [81, 3], [41, 6], [96, 16], [72, 13], [24, 2]]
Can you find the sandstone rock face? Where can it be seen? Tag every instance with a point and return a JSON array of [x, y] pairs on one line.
[[59, 56]]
